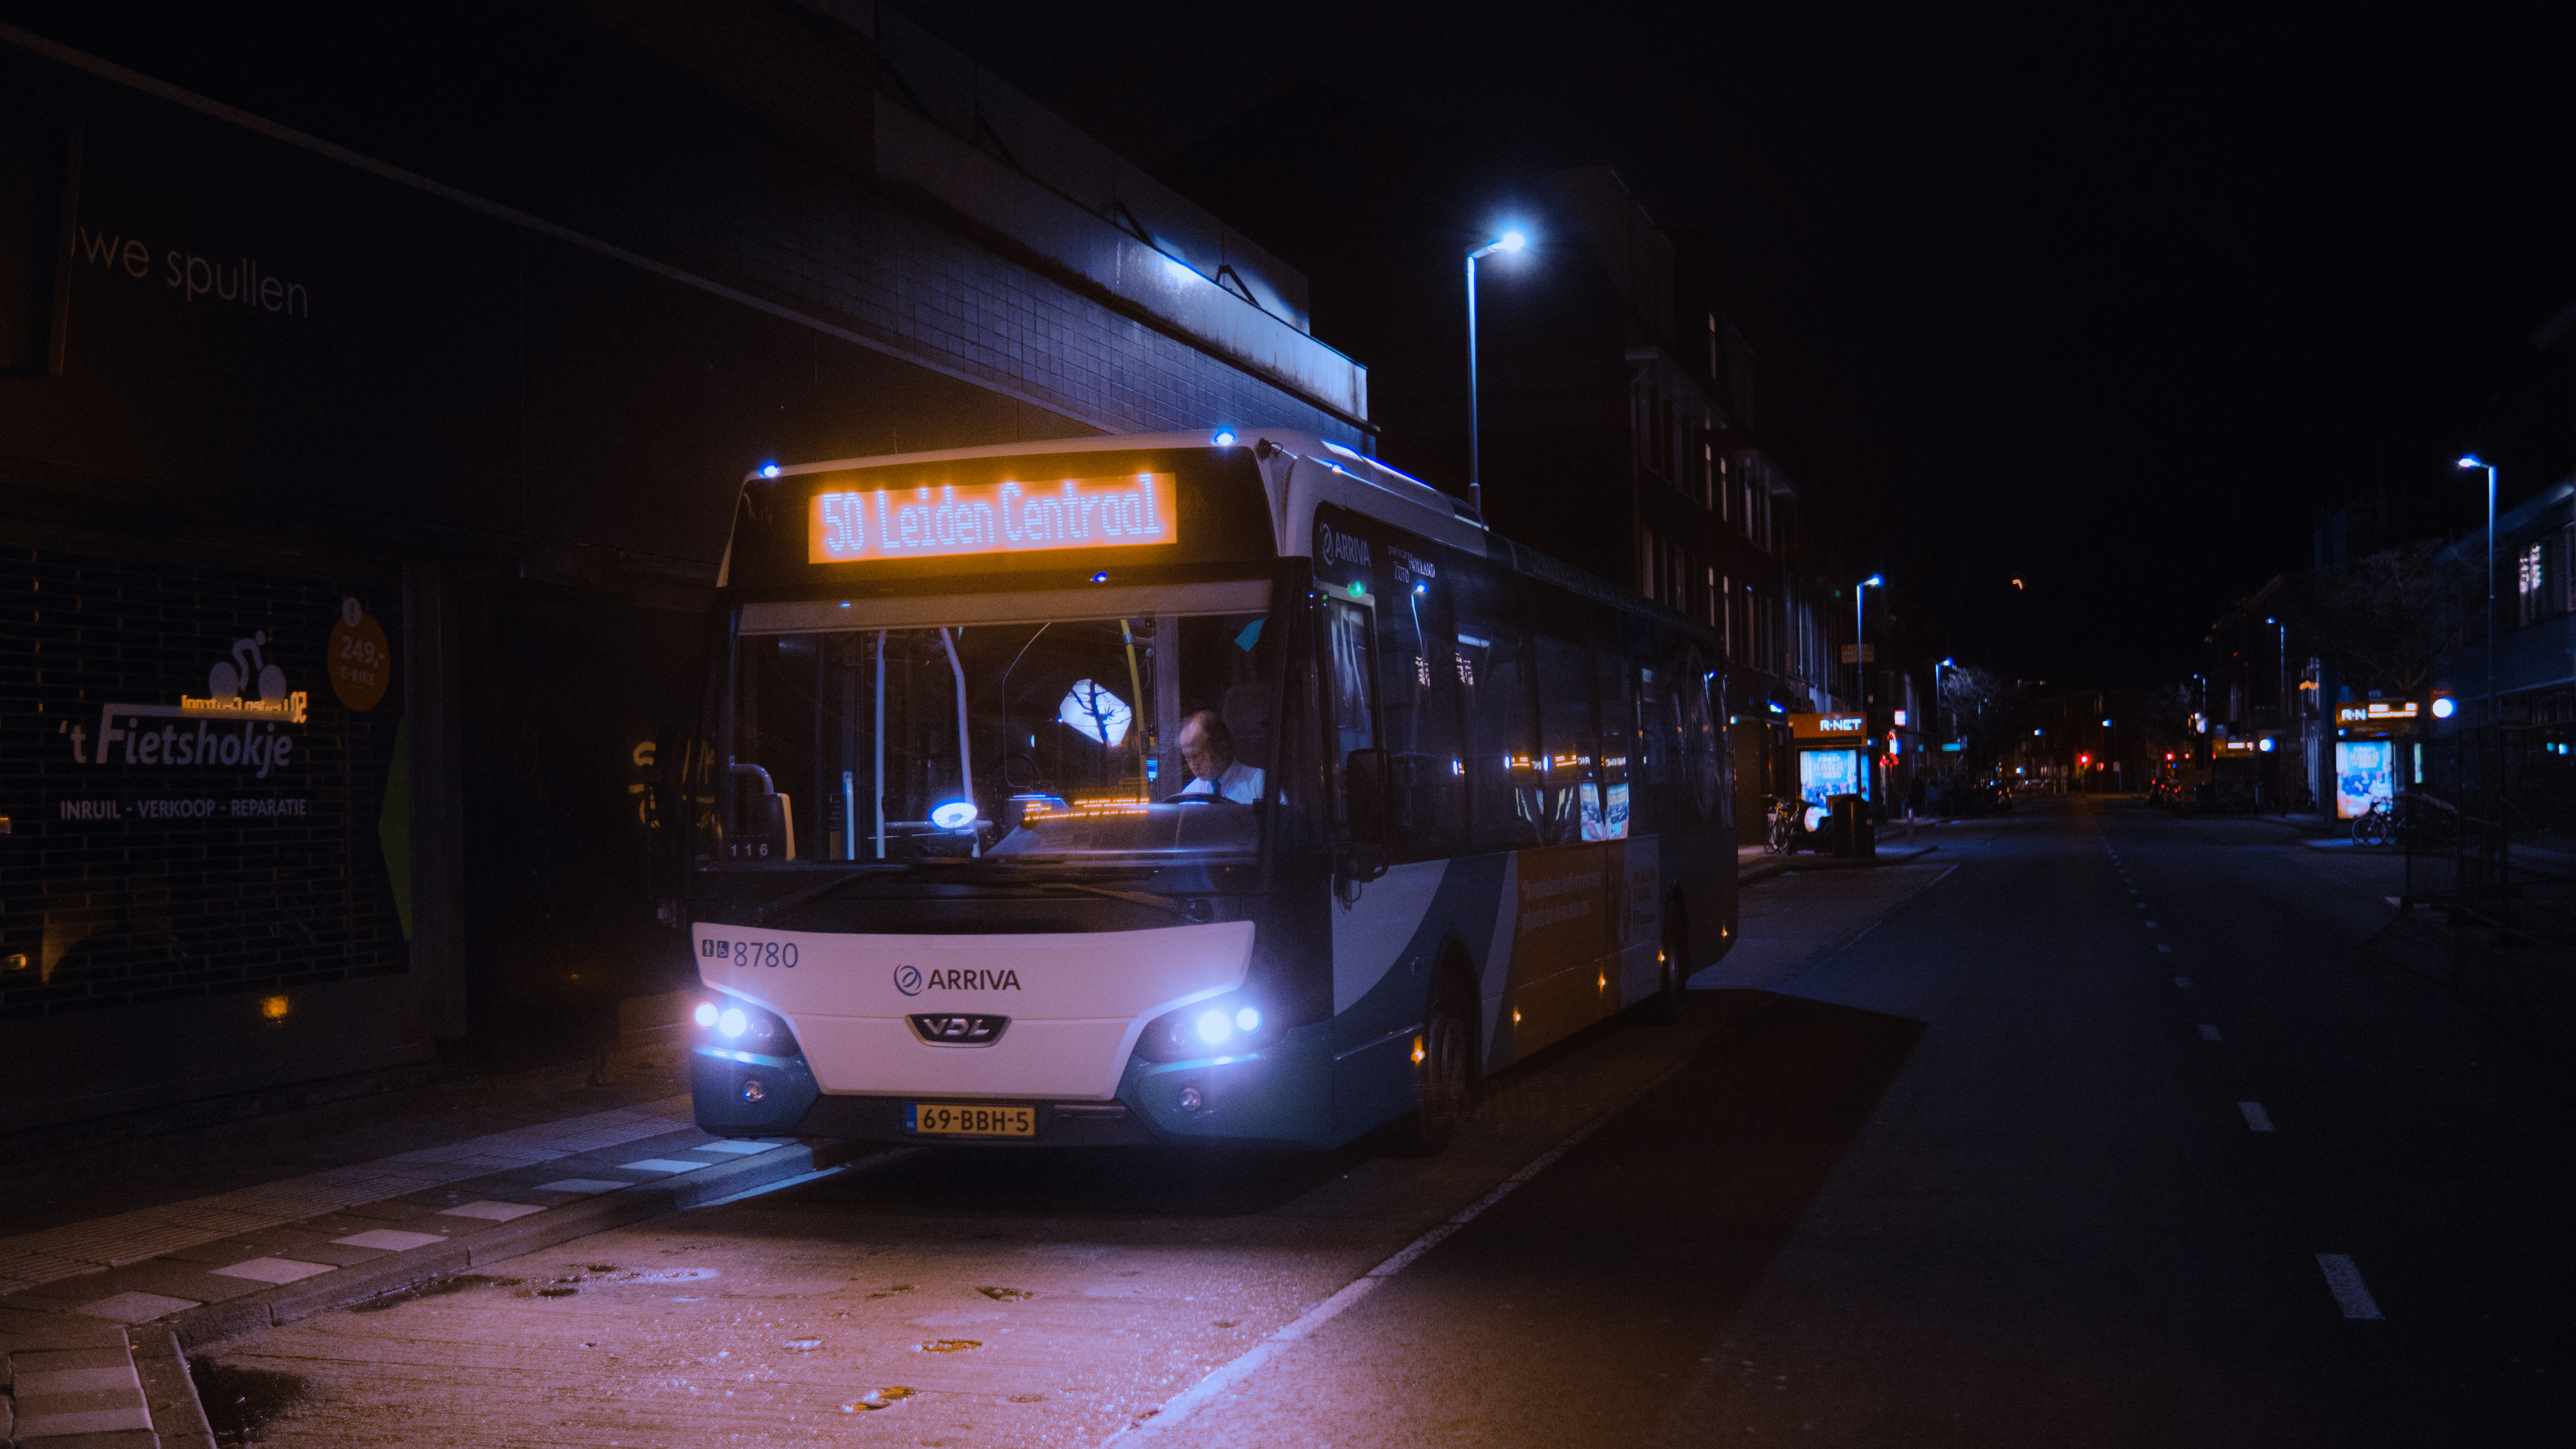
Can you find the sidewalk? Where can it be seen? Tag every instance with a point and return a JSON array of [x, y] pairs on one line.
[[96, 1314], [1756, 863]]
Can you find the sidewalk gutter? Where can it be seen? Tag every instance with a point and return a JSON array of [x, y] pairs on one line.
[[83, 1359], [1887, 855], [464, 1252]]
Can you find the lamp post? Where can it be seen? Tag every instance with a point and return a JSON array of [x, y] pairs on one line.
[[1860, 639], [1510, 241], [2473, 461], [1941, 702]]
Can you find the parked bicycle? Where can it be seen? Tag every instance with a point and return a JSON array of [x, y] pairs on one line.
[[1788, 825]]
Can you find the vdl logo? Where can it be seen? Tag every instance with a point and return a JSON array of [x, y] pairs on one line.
[[907, 979]]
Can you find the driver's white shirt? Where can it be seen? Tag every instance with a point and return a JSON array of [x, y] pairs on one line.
[[1241, 783]]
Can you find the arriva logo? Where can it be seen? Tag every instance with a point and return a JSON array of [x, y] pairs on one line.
[[911, 982]]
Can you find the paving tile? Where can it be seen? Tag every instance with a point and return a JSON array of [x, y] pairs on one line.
[[583, 1185], [54, 1425], [70, 1360], [662, 1164], [59, 1330], [321, 1250], [133, 1308], [392, 1240], [107, 1439], [273, 1270], [740, 1148], [47, 1385], [499, 1212], [174, 1280], [390, 1210]]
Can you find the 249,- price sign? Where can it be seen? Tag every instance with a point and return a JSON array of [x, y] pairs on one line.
[[361, 663]]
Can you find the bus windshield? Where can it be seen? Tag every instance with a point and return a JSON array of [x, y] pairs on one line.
[[1094, 740]]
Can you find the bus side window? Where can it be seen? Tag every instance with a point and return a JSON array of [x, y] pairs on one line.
[[1418, 696], [1619, 803], [1350, 705], [1657, 735], [1571, 739], [1501, 746]]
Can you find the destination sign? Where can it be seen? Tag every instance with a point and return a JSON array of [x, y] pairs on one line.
[[951, 521]]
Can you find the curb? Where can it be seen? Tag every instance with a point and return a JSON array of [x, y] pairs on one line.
[[156, 1386], [348, 1287], [1894, 855]]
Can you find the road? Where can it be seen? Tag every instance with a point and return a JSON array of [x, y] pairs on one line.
[[2095, 1126]]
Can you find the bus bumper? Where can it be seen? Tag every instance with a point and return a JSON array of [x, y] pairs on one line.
[[1281, 1096]]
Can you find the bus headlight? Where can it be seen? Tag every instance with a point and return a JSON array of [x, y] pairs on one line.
[[728, 1027], [1227, 1024]]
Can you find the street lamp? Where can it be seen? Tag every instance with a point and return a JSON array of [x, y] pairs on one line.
[[2473, 461], [1941, 702], [1860, 664], [1510, 241]]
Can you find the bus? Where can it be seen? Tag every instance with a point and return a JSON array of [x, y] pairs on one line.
[[1178, 789]]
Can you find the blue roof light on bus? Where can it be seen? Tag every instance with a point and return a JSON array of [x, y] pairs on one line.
[[768, 470], [955, 815], [1100, 578], [1225, 438]]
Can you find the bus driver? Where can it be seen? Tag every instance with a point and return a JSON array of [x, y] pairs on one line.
[[1207, 747]]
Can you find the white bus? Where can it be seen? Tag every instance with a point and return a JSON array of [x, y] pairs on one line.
[[1176, 789]]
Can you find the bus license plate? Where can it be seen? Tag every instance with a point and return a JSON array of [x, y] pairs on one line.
[[964, 1119]]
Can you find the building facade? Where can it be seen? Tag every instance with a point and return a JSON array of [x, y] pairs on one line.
[[374, 405]]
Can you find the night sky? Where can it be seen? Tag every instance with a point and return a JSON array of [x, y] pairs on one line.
[[2114, 304]]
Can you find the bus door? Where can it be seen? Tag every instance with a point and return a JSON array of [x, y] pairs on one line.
[[1565, 969]]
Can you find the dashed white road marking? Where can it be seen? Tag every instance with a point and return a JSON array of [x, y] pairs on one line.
[[2256, 1119], [2344, 1281], [2208, 1032]]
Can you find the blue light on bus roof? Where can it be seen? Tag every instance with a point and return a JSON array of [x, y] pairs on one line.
[[845, 603], [1100, 578], [768, 470], [1225, 438], [955, 815]]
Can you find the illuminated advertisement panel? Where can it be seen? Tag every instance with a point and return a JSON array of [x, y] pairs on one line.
[[1830, 772], [2362, 776], [952, 521]]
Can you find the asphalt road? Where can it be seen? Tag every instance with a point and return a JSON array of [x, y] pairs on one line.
[[1956, 1153]]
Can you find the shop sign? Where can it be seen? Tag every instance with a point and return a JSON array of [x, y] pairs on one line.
[[2381, 712], [1829, 726]]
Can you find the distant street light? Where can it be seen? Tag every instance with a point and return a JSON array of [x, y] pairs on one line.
[[2473, 461], [1510, 241], [1860, 638]]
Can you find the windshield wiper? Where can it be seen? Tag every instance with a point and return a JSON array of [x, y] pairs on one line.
[[817, 892]]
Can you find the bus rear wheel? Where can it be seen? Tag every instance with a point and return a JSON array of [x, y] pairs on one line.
[[1671, 972], [1444, 1072]]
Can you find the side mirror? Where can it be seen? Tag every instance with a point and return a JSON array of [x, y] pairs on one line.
[[1364, 796]]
